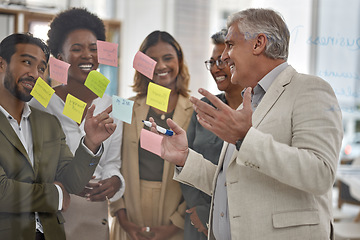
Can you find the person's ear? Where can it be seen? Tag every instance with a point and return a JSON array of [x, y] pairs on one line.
[[260, 43], [3, 64]]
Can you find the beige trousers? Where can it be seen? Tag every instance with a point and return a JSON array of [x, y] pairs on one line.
[[150, 198]]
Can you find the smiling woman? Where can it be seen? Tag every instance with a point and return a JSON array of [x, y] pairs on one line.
[[73, 36], [153, 204]]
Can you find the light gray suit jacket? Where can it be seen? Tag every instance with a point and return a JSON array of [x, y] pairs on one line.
[[26, 189], [279, 182]]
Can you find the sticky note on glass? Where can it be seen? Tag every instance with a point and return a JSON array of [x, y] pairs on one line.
[[122, 108], [158, 96], [97, 82], [42, 92], [74, 108], [107, 53], [58, 70], [144, 64], [151, 141]]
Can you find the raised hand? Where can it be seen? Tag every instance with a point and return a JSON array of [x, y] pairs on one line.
[[174, 148], [228, 124], [98, 128]]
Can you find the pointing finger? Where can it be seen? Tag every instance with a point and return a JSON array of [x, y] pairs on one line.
[[90, 112]]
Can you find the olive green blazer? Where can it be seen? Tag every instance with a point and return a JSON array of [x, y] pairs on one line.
[[26, 189]]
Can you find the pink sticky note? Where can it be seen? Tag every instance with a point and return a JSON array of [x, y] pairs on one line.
[[58, 70], [151, 141], [144, 64], [107, 53]]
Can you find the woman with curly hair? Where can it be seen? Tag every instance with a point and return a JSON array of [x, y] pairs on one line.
[[153, 206], [72, 38]]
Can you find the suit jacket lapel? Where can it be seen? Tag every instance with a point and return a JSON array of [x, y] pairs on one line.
[[140, 113], [7, 130], [37, 136], [221, 162], [272, 95]]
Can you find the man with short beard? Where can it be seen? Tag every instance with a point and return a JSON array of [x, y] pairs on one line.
[[37, 169]]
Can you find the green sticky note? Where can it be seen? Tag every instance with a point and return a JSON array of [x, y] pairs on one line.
[[42, 92], [158, 96], [97, 83], [74, 108]]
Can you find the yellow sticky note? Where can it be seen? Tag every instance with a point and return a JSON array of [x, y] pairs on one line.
[[42, 92], [74, 108], [97, 82], [158, 96]]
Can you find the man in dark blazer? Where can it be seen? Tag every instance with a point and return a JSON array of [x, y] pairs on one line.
[[37, 169]]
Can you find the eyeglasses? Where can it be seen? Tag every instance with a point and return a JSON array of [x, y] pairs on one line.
[[210, 63]]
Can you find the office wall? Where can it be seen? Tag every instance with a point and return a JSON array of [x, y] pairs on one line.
[[187, 21], [7, 23], [140, 18]]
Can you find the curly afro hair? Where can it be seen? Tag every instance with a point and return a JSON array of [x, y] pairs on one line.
[[70, 20]]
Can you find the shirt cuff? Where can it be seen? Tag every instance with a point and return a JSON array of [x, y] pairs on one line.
[[61, 196], [121, 191], [99, 152]]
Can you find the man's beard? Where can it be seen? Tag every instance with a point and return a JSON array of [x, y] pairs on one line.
[[10, 85]]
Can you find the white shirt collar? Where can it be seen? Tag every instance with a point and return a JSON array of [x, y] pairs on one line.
[[26, 112]]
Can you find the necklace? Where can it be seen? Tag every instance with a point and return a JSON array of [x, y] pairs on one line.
[[162, 116]]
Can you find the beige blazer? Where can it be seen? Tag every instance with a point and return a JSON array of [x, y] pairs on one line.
[[174, 209], [26, 189], [279, 182]]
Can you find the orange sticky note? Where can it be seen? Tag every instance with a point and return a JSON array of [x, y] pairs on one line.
[[151, 141], [158, 96], [42, 92], [74, 108], [144, 64], [107, 53], [58, 70], [97, 82]]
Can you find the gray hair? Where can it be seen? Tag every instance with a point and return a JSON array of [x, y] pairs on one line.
[[219, 37], [252, 22]]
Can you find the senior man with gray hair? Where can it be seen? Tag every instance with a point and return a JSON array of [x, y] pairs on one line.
[[278, 163]]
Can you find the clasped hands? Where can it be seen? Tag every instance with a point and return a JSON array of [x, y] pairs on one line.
[[228, 124], [101, 190], [93, 191], [196, 222]]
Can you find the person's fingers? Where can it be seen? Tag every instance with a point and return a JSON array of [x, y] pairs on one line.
[[90, 112], [173, 125], [108, 110], [110, 127], [190, 210], [202, 106], [212, 98]]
